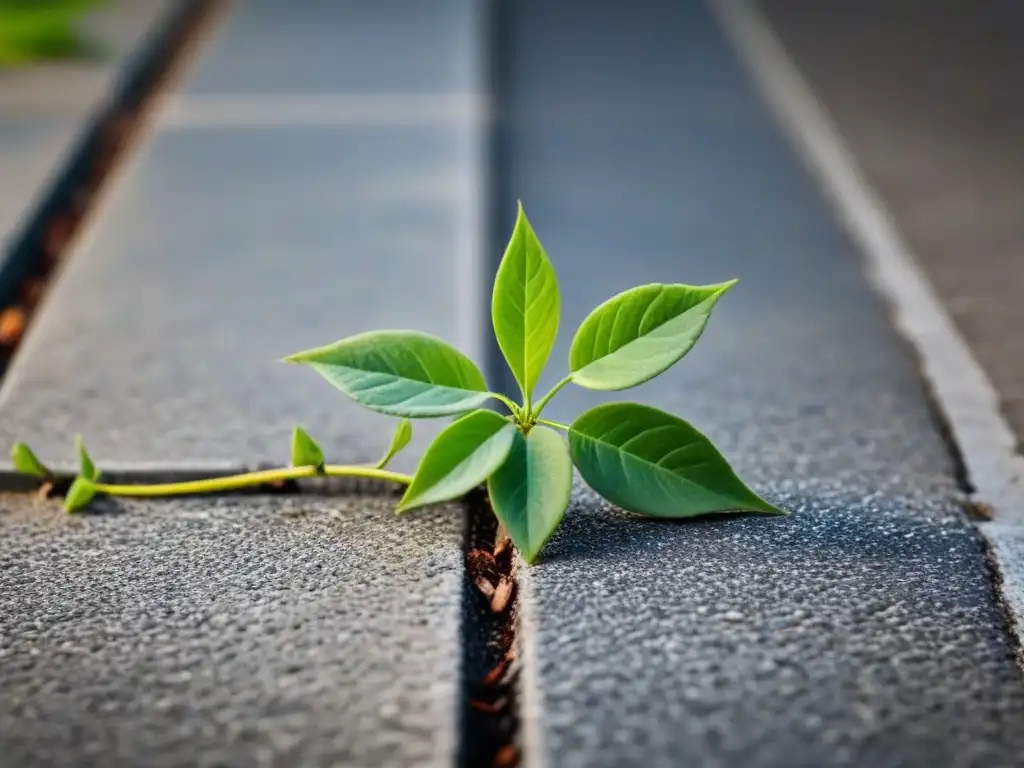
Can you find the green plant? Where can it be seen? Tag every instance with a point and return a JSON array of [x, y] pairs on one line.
[[638, 457], [33, 30]]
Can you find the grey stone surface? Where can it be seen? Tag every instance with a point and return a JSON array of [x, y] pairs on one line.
[[347, 46], [223, 250], [32, 151], [860, 631], [221, 253], [927, 100], [45, 108], [261, 631]]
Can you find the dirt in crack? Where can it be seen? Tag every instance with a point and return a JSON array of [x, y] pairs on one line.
[[490, 716]]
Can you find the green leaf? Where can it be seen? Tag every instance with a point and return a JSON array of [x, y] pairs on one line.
[[87, 467], [26, 462], [401, 438], [79, 494], [305, 451], [645, 460], [530, 492], [400, 373], [525, 305], [461, 457], [640, 333]]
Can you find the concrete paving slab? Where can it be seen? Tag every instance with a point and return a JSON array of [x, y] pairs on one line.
[[222, 252], [351, 46], [294, 631], [32, 152], [863, 629], [46, 109], [224, 248], [926, 100]]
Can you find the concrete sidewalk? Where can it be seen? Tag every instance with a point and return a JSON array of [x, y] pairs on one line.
[[47, 110], [860, 631], [348, 187]]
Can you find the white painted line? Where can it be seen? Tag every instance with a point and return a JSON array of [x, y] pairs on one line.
[[229, 111], [962, 389]]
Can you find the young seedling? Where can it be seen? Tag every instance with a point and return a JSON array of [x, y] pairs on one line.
[[637, 457]]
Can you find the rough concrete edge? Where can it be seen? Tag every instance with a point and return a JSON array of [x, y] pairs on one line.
[[962, 390], [1009, 574], [531, 698]]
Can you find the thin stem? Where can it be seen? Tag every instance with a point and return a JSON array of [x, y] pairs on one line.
[[555, 424], [510, 403], [249, 479], [554, 391]]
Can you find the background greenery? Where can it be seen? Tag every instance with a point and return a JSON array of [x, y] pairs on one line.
[[39, 30]]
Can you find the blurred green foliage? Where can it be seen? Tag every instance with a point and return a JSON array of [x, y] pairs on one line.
[[35, 30]]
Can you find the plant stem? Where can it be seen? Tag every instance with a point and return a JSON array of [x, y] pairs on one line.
[[554, 391], [249, 479], [510, 403], [555, 424]]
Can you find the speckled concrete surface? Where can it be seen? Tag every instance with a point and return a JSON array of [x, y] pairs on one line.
[[850, 634], [860, 631], [302, 632]]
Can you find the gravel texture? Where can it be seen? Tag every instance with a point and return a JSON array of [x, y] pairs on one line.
[[260, 631]]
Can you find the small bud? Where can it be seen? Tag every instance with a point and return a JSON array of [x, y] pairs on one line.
[[79, 494], [87, 467], [401, 438], [305, 451], [26, 462]]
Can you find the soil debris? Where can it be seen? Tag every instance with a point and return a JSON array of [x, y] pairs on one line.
[[481, 564], [507, 757], [12, 326], [497, 675], [45, 491], [488, 708], [502, 542], [502, 595], [485, 587]]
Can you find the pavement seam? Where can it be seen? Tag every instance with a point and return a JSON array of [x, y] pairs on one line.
[[981, 438]]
